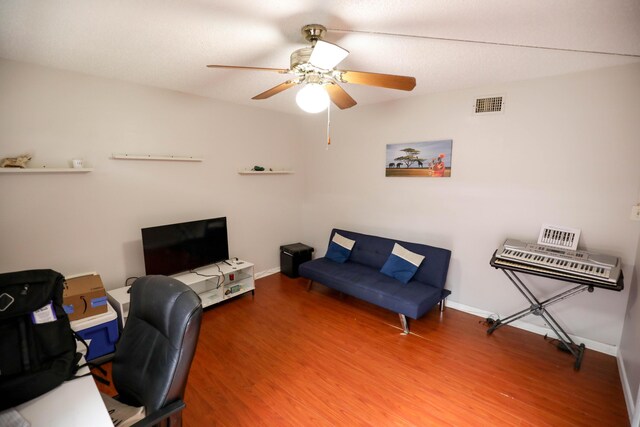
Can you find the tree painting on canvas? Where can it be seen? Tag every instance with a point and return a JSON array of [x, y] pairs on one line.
[[426, 159]]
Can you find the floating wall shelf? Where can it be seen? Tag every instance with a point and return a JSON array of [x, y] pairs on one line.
[[265, 172], [45, 170], [126, 156]]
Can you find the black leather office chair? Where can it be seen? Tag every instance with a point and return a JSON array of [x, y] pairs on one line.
[[154, 354]]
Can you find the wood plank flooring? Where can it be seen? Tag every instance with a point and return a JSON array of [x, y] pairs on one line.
[[288, 357]]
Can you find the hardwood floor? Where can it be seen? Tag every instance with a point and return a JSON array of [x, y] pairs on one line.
[[288, 357]]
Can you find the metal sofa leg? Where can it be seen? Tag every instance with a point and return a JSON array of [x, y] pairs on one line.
[[442, 304], [405, 323], [309, 285]]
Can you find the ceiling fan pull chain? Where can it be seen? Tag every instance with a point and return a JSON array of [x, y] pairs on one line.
[[328, 126]]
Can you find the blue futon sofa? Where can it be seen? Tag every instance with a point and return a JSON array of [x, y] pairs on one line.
[[360, 276]]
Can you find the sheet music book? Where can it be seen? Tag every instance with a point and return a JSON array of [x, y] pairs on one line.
[[559, 236]]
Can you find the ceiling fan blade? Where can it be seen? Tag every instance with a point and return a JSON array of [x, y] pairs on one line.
[[275, 90], [327, 55], [237, 67], [339, 96], [389, 81]]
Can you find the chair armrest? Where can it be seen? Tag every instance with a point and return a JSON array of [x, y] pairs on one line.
[[161, 414]]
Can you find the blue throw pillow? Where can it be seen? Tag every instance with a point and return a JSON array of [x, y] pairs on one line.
[[402, 264], [339, 248]]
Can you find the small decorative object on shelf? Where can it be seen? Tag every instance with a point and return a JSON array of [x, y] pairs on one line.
[[259, 170], [15, 162], [18, 165], [44, 169]]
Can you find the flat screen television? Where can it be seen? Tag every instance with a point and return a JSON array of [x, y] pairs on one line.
[[176, 248]]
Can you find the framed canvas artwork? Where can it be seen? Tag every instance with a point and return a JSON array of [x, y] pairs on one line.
[[423, 159]]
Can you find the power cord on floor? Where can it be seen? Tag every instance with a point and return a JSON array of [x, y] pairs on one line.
[[491, 320], [562, 346]]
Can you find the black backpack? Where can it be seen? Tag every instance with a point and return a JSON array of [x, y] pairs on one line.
[[37, 344]]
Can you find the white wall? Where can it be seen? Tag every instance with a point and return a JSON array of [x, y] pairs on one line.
[[76, 223], [564, 152]]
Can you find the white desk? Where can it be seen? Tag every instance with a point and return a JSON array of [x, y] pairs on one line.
[[74, 403]]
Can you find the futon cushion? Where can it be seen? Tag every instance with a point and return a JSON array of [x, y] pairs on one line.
[[339, 248], [402, 264]]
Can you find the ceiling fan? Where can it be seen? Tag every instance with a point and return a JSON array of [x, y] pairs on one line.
[[314, 67]]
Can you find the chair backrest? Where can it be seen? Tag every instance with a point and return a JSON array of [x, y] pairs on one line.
[[154, 354]]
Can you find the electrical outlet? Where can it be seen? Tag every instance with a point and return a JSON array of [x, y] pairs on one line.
[[635, 213]]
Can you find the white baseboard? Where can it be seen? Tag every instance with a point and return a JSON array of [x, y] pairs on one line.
[[611, 350], [635, 421], [268, 272], [626, 388]]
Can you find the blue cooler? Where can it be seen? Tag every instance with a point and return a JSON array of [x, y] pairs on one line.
[[101, 329]]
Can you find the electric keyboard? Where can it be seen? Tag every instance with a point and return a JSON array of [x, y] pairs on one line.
[[596, 268]]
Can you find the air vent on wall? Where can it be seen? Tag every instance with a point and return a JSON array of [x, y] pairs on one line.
[[493, 104]]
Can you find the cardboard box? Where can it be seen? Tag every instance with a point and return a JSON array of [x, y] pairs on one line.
[[84, 296]]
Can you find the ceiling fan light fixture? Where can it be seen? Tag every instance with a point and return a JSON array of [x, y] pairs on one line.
[[327, 55], [312, 98]]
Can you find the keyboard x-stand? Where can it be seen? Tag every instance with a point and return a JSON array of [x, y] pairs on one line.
[[588, 271]]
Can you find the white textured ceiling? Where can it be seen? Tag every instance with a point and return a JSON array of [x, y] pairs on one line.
[[168, 44]]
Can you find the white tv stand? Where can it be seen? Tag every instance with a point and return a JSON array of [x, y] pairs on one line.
[[208, 289], [216, 284]]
